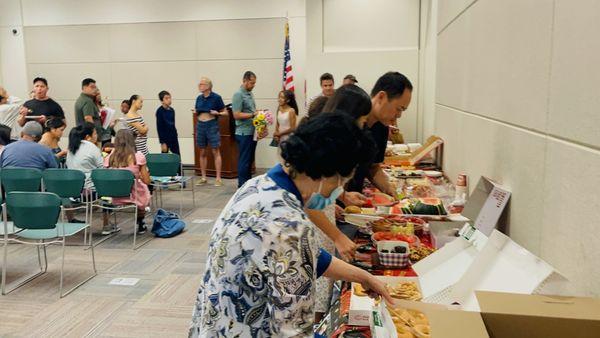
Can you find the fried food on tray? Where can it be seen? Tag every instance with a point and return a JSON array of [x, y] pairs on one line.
[[359, 290], [405, 290], [410, 323], [418, 253]]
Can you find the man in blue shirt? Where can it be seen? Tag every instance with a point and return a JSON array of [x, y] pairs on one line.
[[209, 106], [26, 153], [244, 111]]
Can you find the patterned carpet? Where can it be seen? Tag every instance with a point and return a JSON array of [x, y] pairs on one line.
[[159, 305]]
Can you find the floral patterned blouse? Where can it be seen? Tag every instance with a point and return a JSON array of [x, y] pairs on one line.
[[262, 265]]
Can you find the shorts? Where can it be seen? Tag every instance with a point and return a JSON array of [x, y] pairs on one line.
[[207, 133]]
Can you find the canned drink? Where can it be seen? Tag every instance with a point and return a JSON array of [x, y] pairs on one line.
[[462, 180]]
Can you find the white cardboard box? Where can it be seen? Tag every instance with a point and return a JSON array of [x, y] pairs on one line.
[[444, 322], [437, 274], [439, 271], [504, 266]]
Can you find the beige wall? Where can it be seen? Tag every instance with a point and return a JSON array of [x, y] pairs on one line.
[[367, 39], [517, 99], [146, 46], [145, 58], [12, 50]]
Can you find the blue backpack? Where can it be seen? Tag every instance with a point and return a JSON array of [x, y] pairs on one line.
[[167, 224]]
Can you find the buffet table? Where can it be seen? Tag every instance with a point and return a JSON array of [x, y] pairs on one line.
[[383, 222]]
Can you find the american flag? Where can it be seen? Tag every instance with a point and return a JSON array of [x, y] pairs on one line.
[[288, 75]]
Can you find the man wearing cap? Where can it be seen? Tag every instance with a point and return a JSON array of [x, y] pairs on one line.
[[27, 153], [349, 79]]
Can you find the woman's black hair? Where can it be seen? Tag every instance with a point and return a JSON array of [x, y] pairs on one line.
[[79, 134], [326, 145], [4, 134], [54, 123], [350, 99], [132, 98], [290, 98]]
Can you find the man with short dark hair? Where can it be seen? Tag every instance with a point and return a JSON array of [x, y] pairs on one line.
[[27, 153], [349, 79], [41, 107], [86, 109], [327, 87], [390, 96], [244, 111]]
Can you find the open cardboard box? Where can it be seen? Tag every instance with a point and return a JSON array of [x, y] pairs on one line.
[[443, 321], [482, 209], [504, 266], [538, 316], [439, 271], [417, 155], [361, 306], [503, 315], [474, 262]]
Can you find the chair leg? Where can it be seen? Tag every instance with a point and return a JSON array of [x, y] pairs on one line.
[[8, 289], [193, 192], [4, 261], [62, 271], [62, 266], [135, 225], [91, 221], [45, 257], [93, 259], [135, 233], [181, 199], [86, 219], [39, 255], [107, 237]]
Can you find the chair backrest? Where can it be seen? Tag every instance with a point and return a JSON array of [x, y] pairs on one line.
[[164, 164], [64, 182], [33, 210], [21, 179], [113, 182]]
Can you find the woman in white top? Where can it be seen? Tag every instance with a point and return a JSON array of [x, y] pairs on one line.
[[137, 125], [9, 112], [83, 153], [286, 115]]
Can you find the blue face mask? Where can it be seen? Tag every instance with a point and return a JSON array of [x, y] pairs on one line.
[[319, 202]]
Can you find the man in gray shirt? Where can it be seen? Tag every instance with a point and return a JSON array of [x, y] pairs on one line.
[[27, 153]]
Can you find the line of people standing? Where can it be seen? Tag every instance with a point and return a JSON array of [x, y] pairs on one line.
[[89, 107]]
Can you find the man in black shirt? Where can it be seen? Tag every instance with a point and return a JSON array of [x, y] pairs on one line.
[[41, 107], [390, 96]]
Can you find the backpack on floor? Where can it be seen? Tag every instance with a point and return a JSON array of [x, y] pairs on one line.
[[167, 224]]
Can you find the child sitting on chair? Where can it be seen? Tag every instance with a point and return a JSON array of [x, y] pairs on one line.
[[124, 156]]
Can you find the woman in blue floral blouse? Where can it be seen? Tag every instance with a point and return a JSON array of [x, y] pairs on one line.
[[263, 261]]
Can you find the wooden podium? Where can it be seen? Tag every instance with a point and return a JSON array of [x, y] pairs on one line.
[[229, 149]]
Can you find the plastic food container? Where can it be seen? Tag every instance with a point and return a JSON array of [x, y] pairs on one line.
[[393, 259]]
